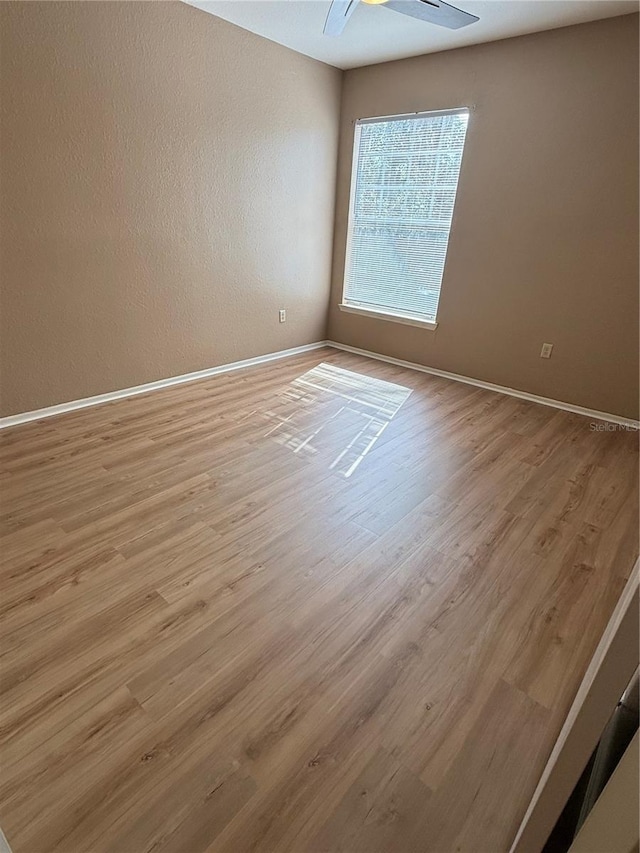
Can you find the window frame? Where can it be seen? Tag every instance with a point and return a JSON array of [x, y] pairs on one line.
[[386, 313]]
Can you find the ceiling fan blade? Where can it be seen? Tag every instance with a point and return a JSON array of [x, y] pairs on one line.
[[339, 13], [433, 11]]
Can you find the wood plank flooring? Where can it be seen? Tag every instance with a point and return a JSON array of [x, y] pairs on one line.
[[327, 604]]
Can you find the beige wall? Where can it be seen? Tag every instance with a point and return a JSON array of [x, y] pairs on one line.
[[544, 245], [168, 184]]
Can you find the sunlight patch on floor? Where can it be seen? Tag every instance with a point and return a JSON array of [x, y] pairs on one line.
[[358, 410]]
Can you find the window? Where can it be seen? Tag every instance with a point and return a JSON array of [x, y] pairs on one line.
[[403, 189]]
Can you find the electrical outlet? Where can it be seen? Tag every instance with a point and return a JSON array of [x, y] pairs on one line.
[[545, 352], [282, 315]]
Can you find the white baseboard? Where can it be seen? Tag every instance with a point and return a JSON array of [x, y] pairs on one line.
[[61, 408], [4, 844], [489, 386]]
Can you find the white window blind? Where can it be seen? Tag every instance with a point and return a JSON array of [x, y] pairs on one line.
[[403, 191]]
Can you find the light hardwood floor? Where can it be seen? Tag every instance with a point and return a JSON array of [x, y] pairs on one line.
[[328, 604]]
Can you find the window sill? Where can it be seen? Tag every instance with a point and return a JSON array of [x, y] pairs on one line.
[[387, 315]]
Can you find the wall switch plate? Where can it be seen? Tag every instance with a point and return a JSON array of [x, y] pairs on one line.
[[282, 315], [545, 352]]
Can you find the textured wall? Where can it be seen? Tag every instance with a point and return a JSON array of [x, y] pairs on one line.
[[168, 184], [544, 245]]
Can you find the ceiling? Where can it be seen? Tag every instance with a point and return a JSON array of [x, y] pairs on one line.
[[375, 34]]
